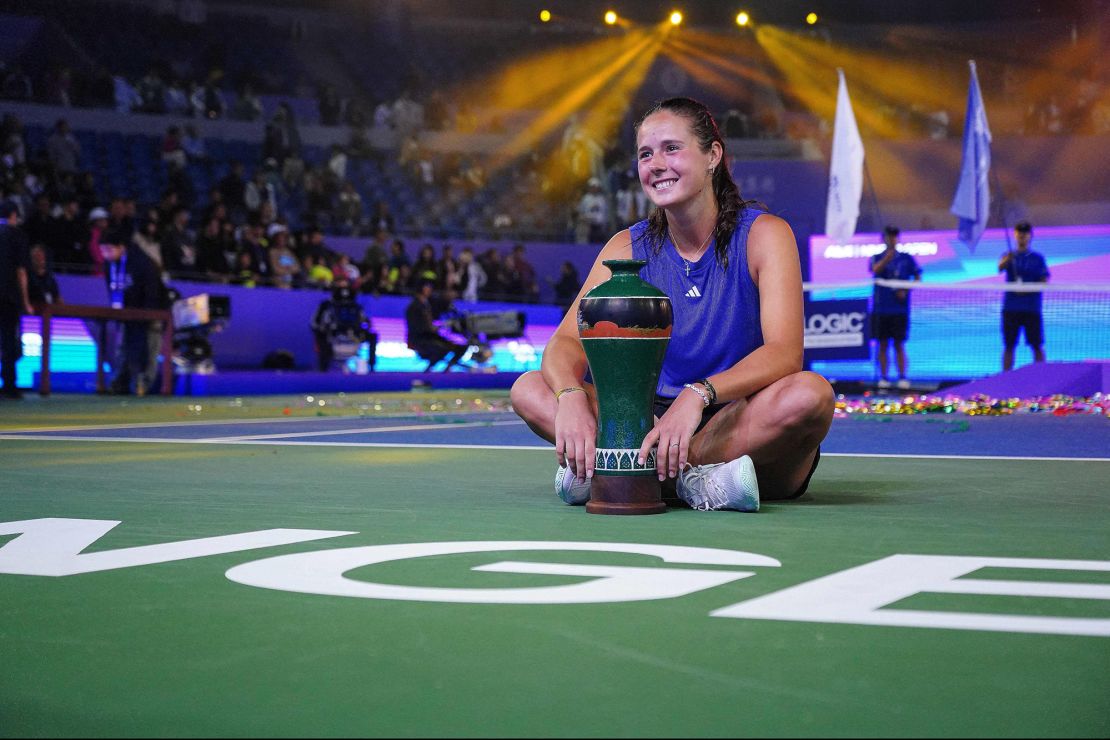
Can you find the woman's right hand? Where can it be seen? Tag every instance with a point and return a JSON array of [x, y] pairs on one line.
[[576, 434]]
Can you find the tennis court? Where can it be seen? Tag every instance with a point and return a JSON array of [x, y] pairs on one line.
[[413, 574]]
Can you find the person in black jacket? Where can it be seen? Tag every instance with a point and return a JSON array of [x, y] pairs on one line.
[[14, 300], [133, 281]]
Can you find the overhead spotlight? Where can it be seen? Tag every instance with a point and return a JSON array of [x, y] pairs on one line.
[[811, 18], [676, 18], [610, 17], [545, 16], [742, 18]]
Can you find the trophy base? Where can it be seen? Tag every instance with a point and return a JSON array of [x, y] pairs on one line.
[[624, 494]]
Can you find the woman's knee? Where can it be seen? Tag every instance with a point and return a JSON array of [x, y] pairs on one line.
[[530, 395], [805, 402]]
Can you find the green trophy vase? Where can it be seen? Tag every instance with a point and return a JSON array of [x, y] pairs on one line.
[[625, 326]]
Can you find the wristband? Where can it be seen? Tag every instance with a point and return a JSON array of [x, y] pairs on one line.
[[709, 387], [700, 392], [571, 389]]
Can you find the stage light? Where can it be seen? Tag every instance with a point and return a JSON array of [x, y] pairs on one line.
[[610, 17], [742, 18], [545, 16], [676, 18], [811, 18]]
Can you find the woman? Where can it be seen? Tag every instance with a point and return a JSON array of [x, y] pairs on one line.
[[736, 416]]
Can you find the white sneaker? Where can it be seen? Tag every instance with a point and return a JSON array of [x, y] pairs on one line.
[[569, 489], [903, 384], [883, 383], [730, 485]]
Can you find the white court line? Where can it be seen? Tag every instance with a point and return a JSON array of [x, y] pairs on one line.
[[368, 430], [547, 448], [219, 422]]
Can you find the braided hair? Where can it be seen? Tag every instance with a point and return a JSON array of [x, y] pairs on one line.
[[729, 202]]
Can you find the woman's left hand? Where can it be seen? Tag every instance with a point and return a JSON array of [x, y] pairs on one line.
[[672, 434]]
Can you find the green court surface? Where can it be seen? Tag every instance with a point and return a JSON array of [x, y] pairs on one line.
[[156, 643]]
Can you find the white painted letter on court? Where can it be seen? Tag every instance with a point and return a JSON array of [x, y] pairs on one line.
[[322, 573], [858, 595]]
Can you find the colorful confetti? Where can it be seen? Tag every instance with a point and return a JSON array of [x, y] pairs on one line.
[[979, 405]]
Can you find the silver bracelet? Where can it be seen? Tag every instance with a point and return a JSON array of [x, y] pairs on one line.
[[700, 392]]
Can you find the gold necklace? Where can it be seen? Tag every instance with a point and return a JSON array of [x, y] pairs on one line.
[[699, 249]]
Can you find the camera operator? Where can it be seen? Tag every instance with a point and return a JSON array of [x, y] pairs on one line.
[[341, 318], [423, 336]]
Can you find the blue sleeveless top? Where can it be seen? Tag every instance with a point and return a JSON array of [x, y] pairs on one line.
[[716, 310]]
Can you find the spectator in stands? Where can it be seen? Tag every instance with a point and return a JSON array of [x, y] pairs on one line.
[[348, 209], [172, 150], [425, 267], [567, 286], [250, 244], [14, 298], [287, 140], [447, 270], [423, 336], [148, 238], [152, 92], [98, 225], [284, 265], [373, 258], [214, 247], [177, 99], [521, 282], [126, 97], [1022, 311], [68, 241], [193, 145], [593, 214], [214, 105], [258, 191], [472, 278], [890, 307], [243, 273], [42, 286], [133, 282], [382, 220], [178, 251], [247, 106], [37, 225], [496, 279], [343, 266], [62, 148], [233, 189], [330, 106], [317, 272], [12, 146], [84, 189]]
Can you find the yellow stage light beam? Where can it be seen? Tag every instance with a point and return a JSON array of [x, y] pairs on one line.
[[545, 16], [743, 19], [611, 18], [676, 18], [811, 18], [614, 76]]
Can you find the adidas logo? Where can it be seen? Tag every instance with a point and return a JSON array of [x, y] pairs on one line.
[[693, 292]]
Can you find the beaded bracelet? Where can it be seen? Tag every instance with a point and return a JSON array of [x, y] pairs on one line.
[[699, 391], [709, 387], [571, 389]]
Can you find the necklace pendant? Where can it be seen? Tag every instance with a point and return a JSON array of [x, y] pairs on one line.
[[685, 262]]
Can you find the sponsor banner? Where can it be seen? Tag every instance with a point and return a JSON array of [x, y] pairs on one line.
[[837, 330]]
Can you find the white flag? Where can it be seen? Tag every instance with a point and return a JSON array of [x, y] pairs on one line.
[[845, 169]]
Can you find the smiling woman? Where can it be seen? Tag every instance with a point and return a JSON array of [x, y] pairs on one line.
[[736, 416]]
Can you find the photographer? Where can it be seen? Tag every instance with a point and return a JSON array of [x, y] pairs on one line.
[[341, 318]]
